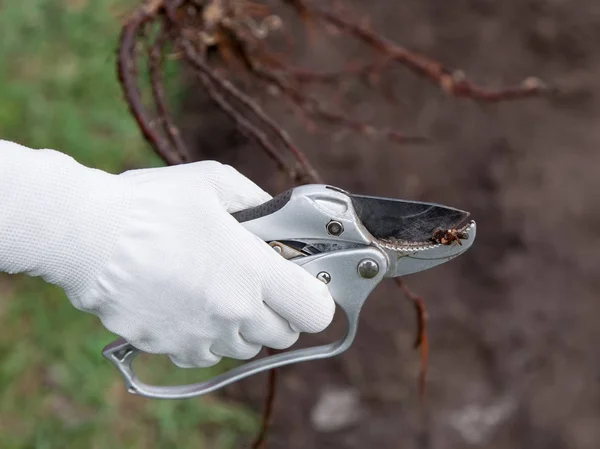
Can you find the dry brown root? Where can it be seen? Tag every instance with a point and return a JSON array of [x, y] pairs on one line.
[[238, 31]]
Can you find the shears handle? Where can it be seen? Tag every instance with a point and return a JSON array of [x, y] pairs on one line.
[[349, 290], [300, 213]]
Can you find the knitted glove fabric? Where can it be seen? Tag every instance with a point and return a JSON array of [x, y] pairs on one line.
[[156, 255]]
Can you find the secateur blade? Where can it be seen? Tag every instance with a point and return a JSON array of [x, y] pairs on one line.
[[408, 221]]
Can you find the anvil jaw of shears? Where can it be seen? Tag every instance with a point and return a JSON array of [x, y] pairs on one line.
[[350, 242]]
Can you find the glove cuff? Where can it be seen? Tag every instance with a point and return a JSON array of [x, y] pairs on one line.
[[58, 219]]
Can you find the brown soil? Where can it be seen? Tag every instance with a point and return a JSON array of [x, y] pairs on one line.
[[513, 323]]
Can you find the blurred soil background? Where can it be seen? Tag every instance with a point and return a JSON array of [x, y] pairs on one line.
[[512, 323]]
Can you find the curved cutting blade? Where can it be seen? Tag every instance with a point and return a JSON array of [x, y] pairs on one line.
[[410, 221], [406, 259]]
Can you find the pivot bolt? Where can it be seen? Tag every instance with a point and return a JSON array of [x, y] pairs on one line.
[[324, 277], [368, 268], [334, 227], [278, 249]]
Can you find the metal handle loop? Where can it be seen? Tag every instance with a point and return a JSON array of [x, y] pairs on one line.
[[349, 290]]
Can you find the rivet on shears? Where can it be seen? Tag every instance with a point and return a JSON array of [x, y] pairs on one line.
[[368, 268], [335, 228], [324, 276]]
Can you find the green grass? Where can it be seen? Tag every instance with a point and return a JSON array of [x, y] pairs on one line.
[[58, 90]]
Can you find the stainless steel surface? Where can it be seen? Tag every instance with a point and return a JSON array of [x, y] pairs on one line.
[[368, 268], [335, 228], [412, 221], [305, 216], [286, 251], [405, 260], [324, 276]]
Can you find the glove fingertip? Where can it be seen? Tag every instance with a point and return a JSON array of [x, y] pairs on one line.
[[324, 305], [186, 364], [307, 303], [180, 363]]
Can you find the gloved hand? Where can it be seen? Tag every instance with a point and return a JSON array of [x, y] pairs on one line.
[[156, 255]]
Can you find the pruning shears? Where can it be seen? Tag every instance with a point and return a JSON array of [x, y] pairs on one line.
[[351, 243]]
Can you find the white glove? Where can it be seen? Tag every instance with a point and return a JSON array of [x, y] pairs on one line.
[[156, 255]]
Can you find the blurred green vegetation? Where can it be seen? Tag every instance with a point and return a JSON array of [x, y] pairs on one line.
[[58, 89]]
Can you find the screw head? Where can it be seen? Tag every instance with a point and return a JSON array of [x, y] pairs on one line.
[[334, 227], [368, 268], [324, 277]]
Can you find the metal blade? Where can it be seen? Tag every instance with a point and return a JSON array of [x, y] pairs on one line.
[[411, 221], [406, 260]]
